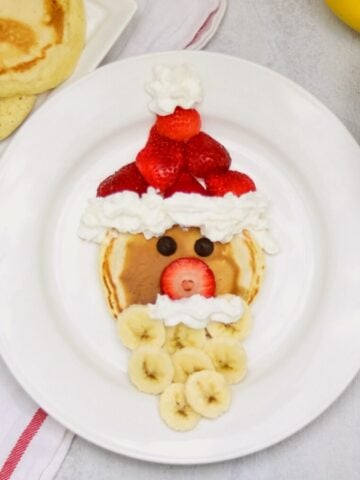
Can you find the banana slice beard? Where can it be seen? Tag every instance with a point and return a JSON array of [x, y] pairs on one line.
[[208, 393], [228, 358], [182, 336], [150, 369], [136, 328], [188, 361], [175, 410], [238, 330]]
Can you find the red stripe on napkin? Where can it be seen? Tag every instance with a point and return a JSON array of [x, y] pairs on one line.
[[21, 445]]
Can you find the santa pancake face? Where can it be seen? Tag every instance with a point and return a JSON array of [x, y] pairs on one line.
[[183, 240]]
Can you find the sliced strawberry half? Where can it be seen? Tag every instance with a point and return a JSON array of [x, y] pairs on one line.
[[204, 156], [180, 125], [185, 183], [219, 184], [127, 178], [161, 161], [187, 276]]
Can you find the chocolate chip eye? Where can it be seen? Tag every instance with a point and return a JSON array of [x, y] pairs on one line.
[[166, 246], [204, 247]]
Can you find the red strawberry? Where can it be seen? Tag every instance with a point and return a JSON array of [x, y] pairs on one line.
[[219, 184], [127, 178], [180, 125], [155, 138], [204, 155], [187, 276], [185, 183], [160, 161]]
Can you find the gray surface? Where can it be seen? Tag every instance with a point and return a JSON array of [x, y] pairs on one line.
[[304, 41]]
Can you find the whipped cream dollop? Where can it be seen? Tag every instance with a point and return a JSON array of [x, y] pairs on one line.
[[219, 218], [172, 87], [197, 311]]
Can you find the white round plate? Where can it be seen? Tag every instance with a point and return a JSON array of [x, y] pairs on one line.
[[56, 334]]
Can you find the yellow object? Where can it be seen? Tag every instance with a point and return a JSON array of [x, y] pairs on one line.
[[136, 328], [188, 361], [208, 393], [40, 44], [175, 410], [181, 336], [150, 369], [13, 110], [347, 10]]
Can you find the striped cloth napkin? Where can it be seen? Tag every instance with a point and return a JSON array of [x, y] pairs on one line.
[[32, 444]]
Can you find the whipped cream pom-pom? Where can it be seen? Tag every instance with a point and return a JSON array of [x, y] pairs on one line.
[[172, 87]]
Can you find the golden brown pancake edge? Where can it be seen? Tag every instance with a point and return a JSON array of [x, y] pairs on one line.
[[55, 62]]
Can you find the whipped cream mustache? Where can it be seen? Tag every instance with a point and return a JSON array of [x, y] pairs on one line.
[[197, 311], [219, 218]]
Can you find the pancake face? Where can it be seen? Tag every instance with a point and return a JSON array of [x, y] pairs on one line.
[[40, 43], [131, 266], [13, 110]]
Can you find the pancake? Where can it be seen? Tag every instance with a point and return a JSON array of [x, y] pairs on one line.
[[131, 266], [251, 260], [13, 111], [40, 44]]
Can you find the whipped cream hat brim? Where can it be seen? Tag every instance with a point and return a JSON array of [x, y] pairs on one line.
[[219, 218]]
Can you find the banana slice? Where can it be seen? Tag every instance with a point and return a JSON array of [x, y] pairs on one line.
[[182, 336], [150, 369], [136, 328], [237, 330], [208, 393], [188, 361], [175, 410], [228, 358]]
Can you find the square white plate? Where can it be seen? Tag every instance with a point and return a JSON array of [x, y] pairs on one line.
[[106, 20]]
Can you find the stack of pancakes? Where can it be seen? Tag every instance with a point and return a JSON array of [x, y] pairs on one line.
[[40, 44]]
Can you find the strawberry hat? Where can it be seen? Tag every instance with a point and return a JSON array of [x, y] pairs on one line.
[[178, 156], [181, 176]]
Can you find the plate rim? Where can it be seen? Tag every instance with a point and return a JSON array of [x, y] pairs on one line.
[[286, 432], [130, 7]]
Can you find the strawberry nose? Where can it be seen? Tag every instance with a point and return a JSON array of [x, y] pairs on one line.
[[187, 276]]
